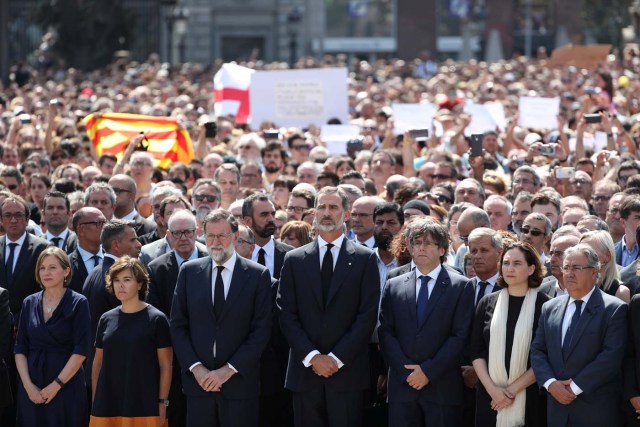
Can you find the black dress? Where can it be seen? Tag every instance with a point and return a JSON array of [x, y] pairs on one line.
[[128, 386], [535, 410]]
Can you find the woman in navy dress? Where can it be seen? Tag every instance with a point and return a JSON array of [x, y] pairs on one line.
[[52, 342]]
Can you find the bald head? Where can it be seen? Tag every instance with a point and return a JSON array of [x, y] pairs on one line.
[[471, 219]]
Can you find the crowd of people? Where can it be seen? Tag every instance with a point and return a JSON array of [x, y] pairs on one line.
[[270, 282]]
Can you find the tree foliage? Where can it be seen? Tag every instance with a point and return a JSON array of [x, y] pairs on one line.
[[604, 20], [87, 32]]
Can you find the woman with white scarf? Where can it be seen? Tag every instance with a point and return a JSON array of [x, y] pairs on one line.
[[504, 326]]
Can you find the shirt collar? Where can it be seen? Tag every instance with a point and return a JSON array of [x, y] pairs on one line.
[[62, 235], [370, 242], [86, 255], [624, 245], [194, 255], [130, 216], [229, 264], [585, 298], [337, 242], [20, 241], [491, 280], [433, 274], [392, 263], [268, 248]]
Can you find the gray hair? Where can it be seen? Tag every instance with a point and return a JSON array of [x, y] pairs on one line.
[[496, 238], [529, 170], [164, 191], [479, 217], [540, 217], [566, 230], [250, 237], [181, 214], [609, 272], [219, 215], [334, 190], [99, 186], [523, 196], [587, 251], [600, 224], [352, 189], [503, 199], [113, 230]]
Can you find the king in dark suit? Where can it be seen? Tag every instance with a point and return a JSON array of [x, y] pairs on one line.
[[220, 323], [425, 321], [328, 301], [579, 346]]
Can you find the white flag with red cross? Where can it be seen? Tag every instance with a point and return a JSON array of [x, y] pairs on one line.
[[231, 86]]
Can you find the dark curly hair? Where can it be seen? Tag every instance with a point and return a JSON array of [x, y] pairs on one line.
[[532, 257]]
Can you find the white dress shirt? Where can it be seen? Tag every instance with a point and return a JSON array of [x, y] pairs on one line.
[[370, 242], [492, 284], [566, 321], [335, 251], [269, 255], [87, 258], [433, 276], [62, 236]]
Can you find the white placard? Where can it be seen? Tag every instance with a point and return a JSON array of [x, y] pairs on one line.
[[496, 110], [481, 119], [335, 137], [539, 113], [588, 141], [412, 116], [600, 142], [299, 98]]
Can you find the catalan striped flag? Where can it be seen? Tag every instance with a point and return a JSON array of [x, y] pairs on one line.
[[111, 132]]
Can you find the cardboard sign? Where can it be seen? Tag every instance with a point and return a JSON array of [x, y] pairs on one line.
[[299, 98], [589, 56]]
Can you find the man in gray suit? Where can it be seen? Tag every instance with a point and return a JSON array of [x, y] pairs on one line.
[[564, 238], [579, 347]]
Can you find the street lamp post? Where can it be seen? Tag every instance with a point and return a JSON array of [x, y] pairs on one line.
[[293, 20], [177, 28]]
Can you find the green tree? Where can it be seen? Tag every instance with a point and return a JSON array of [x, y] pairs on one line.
[[88, 32], [604, 20]]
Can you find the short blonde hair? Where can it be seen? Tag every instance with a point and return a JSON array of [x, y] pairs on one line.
[[62, 258]]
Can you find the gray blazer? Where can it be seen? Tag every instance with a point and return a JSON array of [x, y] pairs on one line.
[[593, 360]]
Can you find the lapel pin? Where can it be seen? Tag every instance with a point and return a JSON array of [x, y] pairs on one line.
[[349, 263]]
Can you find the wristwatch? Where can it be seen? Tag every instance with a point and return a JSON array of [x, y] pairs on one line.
[[164, 401]]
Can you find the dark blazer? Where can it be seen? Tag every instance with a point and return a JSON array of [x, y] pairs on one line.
[[79, 270], [548, 286], [6, 355], [143, 225], [343, 326], [163, 272], [404, 269], [437, 344], [145, 239], [631, 377], [593, 360], [95, 290], [70, 243], [278, 254], [24, 274], [240, 335], [630, 279], [273, 364]]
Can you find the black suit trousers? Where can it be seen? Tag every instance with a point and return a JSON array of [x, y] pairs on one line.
[[218, 411], [421, 413], [327, 408]]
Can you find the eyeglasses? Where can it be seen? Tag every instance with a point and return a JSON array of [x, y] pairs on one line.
[[440, 176], [140, 164], [202, 197], [574, 268], [295, 209], [121, 190], [441, 198], [177, 234], [248, 175], [556, 253], [221, 236], [601, 198], [98, 224], [17, 216], [245, 147], [299, 147], [614, 211], [464, 238], [360, 215], [532, 231], [245, 242]]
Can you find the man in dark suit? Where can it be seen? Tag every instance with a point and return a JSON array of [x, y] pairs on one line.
[[631, 373], [564, 238], [19, 251], [125, 189], [163, 274], [88, 223], [258, 214], [328, 301], [578, 350], [158, 194], [425, 386], [118, 238], [220, 323], [55, 207]]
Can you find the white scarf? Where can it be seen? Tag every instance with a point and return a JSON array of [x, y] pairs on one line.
[[513, 415]]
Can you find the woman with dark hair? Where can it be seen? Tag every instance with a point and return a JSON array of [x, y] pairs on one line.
[[504, 327], [53, 340], [344, 165], [39, 186], [131, 372]]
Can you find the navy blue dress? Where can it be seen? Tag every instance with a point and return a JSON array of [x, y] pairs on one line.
[[48, 347]]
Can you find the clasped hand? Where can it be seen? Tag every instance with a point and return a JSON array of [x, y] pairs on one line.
[[212, 380], [561, 391], [416, 379], [324, 365], [501, 398]]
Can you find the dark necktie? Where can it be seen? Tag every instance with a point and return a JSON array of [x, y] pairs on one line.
[[218, 294], [96, 260], [572, 326], [9, 264], [56, 241], [423, 299], [483, 289], [261, 259], [327, 273]]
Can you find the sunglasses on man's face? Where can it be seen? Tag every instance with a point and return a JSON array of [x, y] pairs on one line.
[[532, 231]]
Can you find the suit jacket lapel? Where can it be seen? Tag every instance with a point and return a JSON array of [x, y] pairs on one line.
[[278, 260], [3, 270], [593, 306], [312, 266], [439, 288], [341, 271], [238, 280], [409, 285], [205, 277], [25, 252]]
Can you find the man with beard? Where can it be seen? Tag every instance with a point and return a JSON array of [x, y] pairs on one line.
[[258, 214], [205, 197], [328, 310], [273, 158], [521, 208], [220, 330]]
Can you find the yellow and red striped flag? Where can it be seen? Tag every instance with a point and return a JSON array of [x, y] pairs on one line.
[[112, 132]]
